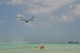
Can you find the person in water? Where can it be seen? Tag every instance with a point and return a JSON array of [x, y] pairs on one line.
[[42, 46]]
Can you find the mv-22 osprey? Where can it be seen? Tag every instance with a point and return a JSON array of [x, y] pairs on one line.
[[26, 20]]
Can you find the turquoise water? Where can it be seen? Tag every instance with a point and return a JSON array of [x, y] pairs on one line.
[[30, 48]]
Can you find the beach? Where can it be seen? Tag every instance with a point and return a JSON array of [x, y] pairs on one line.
[[30, 48]]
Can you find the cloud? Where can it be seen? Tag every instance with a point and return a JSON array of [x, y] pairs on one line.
[[45, 24], [73, 12], [19, 2], [76, 10], [20, 15], [67, 18], [47, 8], [15, 2]]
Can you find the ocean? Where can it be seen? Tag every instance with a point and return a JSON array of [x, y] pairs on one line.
[[30, 48]]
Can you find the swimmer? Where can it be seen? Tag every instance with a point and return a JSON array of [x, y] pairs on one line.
[[36, 48], [42, 46]]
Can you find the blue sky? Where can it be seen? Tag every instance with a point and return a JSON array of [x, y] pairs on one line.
[[55, 21]]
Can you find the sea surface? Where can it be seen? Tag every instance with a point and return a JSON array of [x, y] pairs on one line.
[[30, 48]]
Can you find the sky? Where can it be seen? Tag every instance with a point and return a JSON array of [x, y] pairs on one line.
[[55, 21]]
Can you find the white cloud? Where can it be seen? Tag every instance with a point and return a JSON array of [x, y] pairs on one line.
[[76, 10], [22, 1], [73, 12], [61, 18], [65, 18], [48, 6], [20, 15], [42, 6], [45, 24], [15, 2]]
